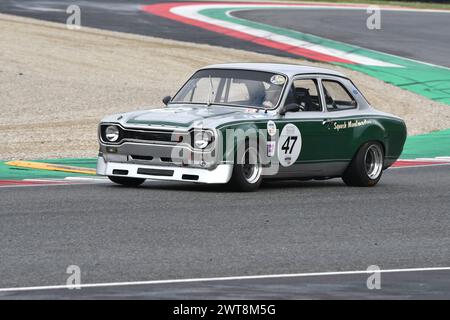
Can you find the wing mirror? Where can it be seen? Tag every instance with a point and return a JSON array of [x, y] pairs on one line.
[[291, 107], [166, 100]]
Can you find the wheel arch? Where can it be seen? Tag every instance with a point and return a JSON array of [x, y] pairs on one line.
[[373, 132]]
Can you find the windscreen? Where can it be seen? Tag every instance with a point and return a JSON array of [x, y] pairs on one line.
[[240, 88]]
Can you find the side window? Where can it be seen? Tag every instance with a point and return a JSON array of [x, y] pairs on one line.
[[305, 93], [337, 97]]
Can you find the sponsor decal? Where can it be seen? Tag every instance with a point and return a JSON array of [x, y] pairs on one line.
[[271, 148], [271, 128], [350, 124], [289, 145]]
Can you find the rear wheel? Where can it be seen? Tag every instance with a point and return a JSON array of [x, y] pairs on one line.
[[366, 168], [129, 182], [247, 173]]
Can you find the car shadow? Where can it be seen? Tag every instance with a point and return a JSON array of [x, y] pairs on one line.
[[219, 188]]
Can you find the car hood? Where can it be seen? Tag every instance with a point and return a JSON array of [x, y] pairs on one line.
[[185, 116]]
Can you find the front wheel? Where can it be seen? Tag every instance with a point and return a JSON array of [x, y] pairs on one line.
[[366, 168], [129, 182], [247, 173]]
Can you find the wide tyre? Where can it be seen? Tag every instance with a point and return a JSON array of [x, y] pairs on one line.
[[366, 167], [128, 182], [247, 173]]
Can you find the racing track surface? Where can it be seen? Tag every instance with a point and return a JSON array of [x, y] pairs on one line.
[[422, 36], [177, 231]]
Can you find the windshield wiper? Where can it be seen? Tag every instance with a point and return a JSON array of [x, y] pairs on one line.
[[211, 92]]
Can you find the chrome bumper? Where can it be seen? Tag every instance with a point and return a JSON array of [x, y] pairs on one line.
[[221, 174]]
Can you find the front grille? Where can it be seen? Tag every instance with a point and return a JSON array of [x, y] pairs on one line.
[[150, 136], [144, 135]]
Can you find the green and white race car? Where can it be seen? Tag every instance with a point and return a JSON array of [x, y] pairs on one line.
[[245, 122]]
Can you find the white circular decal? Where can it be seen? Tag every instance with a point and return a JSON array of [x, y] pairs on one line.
[[289, 145], [271, 128], [278, 79]]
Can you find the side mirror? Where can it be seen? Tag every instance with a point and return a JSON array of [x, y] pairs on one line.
[[291, 107], [166, 100]]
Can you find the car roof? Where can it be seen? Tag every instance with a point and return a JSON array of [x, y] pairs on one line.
[[288, 69]]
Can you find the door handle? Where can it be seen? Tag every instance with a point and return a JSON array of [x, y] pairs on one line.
[[327, 122]]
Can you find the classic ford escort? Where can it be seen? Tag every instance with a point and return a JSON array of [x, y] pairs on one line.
[[245, 122]]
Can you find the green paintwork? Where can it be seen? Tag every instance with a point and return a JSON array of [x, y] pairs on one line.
[[322, 143], [181, 117]]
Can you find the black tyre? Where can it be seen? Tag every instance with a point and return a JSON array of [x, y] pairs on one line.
[[366, 167], [247, 173], [129, 182]]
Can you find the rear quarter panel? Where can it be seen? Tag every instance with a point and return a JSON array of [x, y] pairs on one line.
[[389, 131]]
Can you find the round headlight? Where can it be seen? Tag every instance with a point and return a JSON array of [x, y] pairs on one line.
[[112, 133], [202, 139]]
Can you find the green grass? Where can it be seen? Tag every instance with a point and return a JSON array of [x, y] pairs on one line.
[[412, 4]]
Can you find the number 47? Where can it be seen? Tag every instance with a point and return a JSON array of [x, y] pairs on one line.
[[287, 147]]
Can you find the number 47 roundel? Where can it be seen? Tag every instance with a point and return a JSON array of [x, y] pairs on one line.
[[289, 145]]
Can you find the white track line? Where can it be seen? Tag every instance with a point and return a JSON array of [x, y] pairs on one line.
[[176, 281]]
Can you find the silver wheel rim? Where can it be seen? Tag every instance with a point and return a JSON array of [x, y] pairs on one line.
[[373, 161], [252, 167]]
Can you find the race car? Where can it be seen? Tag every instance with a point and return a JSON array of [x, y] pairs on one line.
[[242, 123]]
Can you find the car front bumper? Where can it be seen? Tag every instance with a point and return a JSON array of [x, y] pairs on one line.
[[219, 175]]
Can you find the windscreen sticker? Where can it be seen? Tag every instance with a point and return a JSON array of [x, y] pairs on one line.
[[290, 145], [278, 79]]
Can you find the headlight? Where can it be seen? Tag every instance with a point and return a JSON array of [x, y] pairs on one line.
[[112, 133], [202, 139]]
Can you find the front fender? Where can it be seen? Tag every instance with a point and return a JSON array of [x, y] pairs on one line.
[[234, 138]]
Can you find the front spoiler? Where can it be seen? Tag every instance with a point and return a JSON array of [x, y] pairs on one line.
[[221, 174]]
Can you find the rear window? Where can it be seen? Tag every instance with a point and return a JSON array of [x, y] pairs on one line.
[[337, 97]]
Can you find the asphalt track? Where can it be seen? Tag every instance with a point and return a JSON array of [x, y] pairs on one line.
[[180, 231], [422, 36]]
